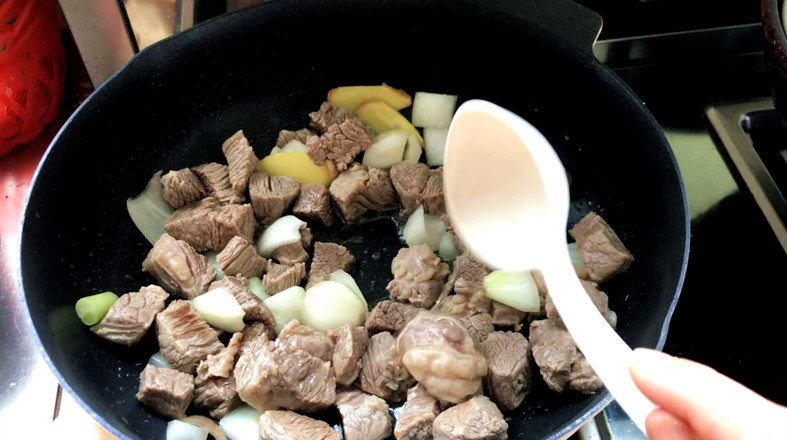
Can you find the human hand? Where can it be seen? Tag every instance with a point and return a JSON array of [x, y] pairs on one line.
[[697, 402]]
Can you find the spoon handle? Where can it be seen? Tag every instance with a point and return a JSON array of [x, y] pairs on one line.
[[607, 353]]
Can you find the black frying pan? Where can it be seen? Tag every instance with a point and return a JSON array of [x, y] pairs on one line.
[[263, 70]]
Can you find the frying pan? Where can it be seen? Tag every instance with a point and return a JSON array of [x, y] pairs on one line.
[[264, 69]]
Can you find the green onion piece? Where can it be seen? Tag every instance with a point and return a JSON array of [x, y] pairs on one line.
[[92, 309]]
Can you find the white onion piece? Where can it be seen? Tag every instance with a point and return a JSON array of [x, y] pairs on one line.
[[257, 288], [330, 304], [242, 423], [434, 145], [433, 110], [345, 278], [211, 256], [514, 289], [177, 430], [157, 360], [423, 228], [574, 254], [286, 305], [387, 149], [412, 150], [294, 146], [275, 150], [206, 424], [220, 309], [447, 249], [149, 210], [284, 230]]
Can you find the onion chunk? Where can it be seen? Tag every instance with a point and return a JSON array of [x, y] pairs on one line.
[[424, 228], [330, 304], [286, 305], [514, 289], [220, 309], [284, 230], [242, 423], [149, 210]]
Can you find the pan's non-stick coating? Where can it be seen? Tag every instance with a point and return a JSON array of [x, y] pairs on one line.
[[265, 69]]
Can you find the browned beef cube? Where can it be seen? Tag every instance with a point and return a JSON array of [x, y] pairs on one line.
[[599, 299], [390, 316], [434, 203], [178, 267], [349, 345], [561, 363], [419, 276], [476, 419], [206, 225], [357, 190], [281, 277], [271, 196], [221, 363], [470, 273], [184, 337], [314, 203], [409, 180], [288, 425], [343, 136], [328, 258], [294, 253], [182, 187], [251, 304], [380, 193], [508, 361], [507, 316], [131, 315], [364, 417], [255, 332], [240, 258], [302, 135], [217, 394], [165, 390], [294, 336], [382, 372], [418, 414], [216, 179], [271, 377], [241, 159], [599, 248], [479, 326]]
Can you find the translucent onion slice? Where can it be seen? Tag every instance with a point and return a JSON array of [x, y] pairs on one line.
[[220, 309], [423, 228], [242, 423], [206, 424], [157, 360], [412, 150], [284, 230], [447, 249], [434, 145], [211, 256], [257, 288], [574, 254], [433, 110], [345, 278], [149, 210], [514, 289], [294, 146], [286, 305], [177, 430], [387, 149], [329, 304]]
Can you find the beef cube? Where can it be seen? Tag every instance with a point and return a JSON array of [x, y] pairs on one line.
[[479, 326], [382, 372], [240, 258], [182, 187], [178, 267], [255, 332], [131, 315], [272, 377], [294, 336], [507, 316], [271, 196], [508, 360], [357, 190], [349, 344], [599, 299], [302, 136], [206, 225], [432, 196], [251, 304], [294, 253], [241, 159], [288, 425], [380, 193], [217, 394], [364, 417], [599, 248], [470, 297], [280, 277], [184, 337], [221, 363], [561, 363], [476, 419], [343, 136], [390, 316], [314, 203], [419, 276], [165, 390], [409, 180], [417, 416], [215, 177], [328, 258]]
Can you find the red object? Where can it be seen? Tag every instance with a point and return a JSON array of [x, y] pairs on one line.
[[32, 68]]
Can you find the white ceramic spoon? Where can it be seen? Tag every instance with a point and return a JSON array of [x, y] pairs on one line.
[[507, 195]]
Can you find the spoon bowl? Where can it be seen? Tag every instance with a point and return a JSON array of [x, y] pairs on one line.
[[507, 194]]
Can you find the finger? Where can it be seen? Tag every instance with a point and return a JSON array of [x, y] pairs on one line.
[[661, 425]]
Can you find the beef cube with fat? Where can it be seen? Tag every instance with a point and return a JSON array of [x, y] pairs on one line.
[[479, 326], [271, 196], [252, 305], [419, 276], [178, 267], [476, 419], [281, 276], [432, 196], [241, 159], [288, 425], [382, 372], [468, 284], [328, 258], [184, 337], [390, 316], [314, 203], [206, 225], [349, 344], [165, 390], [599, 299], [131, 315], [508, 360], [240, 258], [342, 136], [358, 190], [364, 417], [417, 416], [181, 187], [561, 363], [215, 177], [409, 180], [294, 336], [599, 248]]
